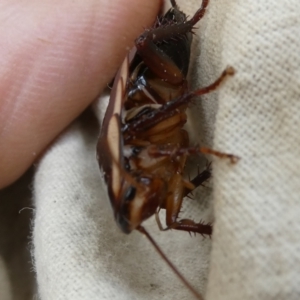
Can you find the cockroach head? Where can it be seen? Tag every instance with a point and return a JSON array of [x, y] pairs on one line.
[[138, 199]]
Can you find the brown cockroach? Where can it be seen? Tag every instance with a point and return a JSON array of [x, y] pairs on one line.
[[142, 148]]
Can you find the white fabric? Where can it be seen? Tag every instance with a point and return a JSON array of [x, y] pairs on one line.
[[256, 243], [16, 270], [5, 287], [79, 251]]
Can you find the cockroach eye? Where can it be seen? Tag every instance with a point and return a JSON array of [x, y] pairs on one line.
[[130, 193], [136, 150]]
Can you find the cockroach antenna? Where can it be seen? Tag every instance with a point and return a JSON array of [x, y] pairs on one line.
[[165, 258]]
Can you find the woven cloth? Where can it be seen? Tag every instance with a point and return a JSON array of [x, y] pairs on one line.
[[254, 253]]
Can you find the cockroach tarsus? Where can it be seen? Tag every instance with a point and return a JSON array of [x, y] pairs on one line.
[[142, 148]]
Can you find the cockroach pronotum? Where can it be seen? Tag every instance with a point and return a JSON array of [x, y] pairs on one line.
[[143, 148]]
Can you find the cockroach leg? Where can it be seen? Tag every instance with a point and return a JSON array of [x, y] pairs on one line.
[[171, 108], [203, 176], [199, 13], [188, 185], [191, 226], [174, 4], [229, 71], [160, 64], [161, 228], [170, 30], [172, 210], [233, 158], [187, 225], [198, 180], [173, 152], [173, 205]]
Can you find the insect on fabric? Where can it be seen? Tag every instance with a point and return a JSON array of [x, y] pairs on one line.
[[143, 148]]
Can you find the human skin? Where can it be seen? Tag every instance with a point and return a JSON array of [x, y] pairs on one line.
[[55, 59]]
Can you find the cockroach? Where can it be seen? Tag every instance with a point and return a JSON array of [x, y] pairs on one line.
[[143, 148]]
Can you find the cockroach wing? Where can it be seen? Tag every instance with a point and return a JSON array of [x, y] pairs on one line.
[[110, 143]]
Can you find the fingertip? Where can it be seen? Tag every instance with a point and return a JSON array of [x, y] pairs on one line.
[[60, 57]]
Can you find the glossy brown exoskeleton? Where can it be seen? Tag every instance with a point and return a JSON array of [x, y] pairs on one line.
[[143, 147]]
